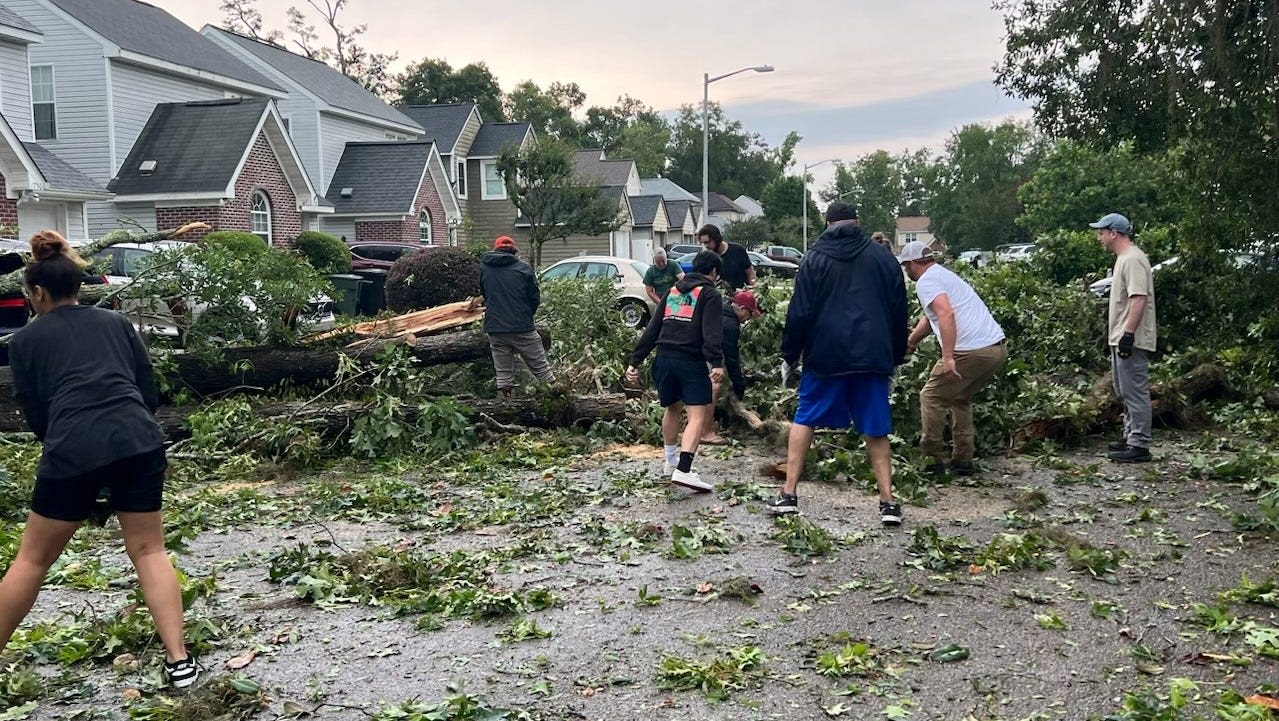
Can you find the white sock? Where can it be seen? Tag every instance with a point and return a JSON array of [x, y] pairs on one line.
[[672, 454]]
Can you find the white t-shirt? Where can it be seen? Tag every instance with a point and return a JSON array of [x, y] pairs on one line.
[[975, 327]]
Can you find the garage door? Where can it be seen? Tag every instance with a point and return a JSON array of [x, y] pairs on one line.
[[33, 217]]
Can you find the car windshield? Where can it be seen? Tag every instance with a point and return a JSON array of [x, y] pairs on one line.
[[640, 267]]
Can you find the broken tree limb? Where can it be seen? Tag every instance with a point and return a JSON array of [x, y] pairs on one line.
[[333, 421]]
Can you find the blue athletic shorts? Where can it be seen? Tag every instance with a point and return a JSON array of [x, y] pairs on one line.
[[681, 380], [857, 399]]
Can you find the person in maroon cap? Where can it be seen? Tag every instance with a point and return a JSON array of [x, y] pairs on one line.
[[511, 297], [741, 308]]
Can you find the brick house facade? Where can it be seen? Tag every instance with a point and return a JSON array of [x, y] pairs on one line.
[[261, 173], [408, 228], [8, 210]]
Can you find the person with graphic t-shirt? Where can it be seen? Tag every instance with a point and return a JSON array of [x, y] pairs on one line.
[[972, 350], [687, 331], [1131, 322], [736, 271]]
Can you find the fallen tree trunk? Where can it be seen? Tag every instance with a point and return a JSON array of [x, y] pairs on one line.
[[261, 368], [332, 421]]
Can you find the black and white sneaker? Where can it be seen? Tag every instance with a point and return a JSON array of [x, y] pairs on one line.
[[181, 673], [890, 513], [783, 504]]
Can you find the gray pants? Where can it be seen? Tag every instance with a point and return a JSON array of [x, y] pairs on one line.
[[1132, 385], [505, 346]]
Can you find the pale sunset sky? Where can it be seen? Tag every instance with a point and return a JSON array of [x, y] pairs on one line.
[[852, 75]]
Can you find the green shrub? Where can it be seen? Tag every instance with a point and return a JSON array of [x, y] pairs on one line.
[[326, 253], [431, 277], [237, 241]]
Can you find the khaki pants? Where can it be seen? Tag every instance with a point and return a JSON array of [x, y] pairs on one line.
[[505, 346], [943, 393]]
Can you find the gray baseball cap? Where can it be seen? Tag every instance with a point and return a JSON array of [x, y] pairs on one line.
[[1115, 222]]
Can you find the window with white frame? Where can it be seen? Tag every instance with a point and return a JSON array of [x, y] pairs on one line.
[[44, 111], [260, 216], [460, 177], [493, 186], [424, 226], [910, 237]]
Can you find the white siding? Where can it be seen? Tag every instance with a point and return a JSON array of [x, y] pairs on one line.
[[135, 93], [15, 88], [80, 89], [338, 227], [141, 213], [335, 133]]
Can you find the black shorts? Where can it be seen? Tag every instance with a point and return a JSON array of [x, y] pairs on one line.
[[681, 380], [136, 485]]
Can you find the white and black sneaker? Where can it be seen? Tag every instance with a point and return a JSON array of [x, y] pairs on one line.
[[783, 504], [890, 513], [691, 481], [181, 673]]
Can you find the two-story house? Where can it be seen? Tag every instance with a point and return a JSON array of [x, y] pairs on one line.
[[38, 190]]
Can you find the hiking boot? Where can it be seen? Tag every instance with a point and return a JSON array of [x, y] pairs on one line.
[[783, 504], [505, 392], [691, 481], [182, 673], [1117, 445], [936, 468], [962, 468], [890, 513], [1131, 454]]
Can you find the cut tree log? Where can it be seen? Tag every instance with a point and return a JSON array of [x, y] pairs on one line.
[[422, 322], [333, 421]]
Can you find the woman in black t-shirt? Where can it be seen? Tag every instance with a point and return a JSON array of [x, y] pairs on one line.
[[86, 387]]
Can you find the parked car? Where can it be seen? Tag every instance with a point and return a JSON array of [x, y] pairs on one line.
[[365, 255], [977, 258], [15, 310], [681, 249], [1023, 251], [635, 306], [122, 262], [782, 253], [764, 266], [1240, 260]]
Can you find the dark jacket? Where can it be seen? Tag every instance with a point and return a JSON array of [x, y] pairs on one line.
[[732, 354], [848, 314], [688, 324], [510, 292], [85, 384]]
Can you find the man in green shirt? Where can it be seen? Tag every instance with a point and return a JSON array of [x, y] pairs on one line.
[[661, 276]]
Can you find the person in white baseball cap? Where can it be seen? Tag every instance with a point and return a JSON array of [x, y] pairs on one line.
[[972, 350]]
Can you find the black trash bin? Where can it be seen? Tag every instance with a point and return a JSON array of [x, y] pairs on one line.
[[372, 290]]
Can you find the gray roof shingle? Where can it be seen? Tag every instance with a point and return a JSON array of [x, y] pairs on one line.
[[720, 203], [11, 19], [383, 176], [442, 123], [591, 164], [58, 173], [196, 146], [644, 208], [668, 189], [321, 80], [150, 31], [493, 138], [677, 211]]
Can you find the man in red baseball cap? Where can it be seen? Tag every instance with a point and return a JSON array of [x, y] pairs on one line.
[[511, 297], [742, 307]]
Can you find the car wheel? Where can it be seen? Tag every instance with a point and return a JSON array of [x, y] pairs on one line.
[[634, 314]]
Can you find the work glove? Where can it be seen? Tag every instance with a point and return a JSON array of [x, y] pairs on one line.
[[1125, 345]]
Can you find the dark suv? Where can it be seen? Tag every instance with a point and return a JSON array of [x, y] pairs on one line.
[[365, 255]]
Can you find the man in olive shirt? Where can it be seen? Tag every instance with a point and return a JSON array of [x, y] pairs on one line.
[[1132, 335], [660, 276]]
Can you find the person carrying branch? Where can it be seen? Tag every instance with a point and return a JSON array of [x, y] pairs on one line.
[[86, 387], [687, 332], [741, 308], [511, 297]]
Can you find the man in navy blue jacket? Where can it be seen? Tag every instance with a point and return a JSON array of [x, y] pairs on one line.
[[847, 322]]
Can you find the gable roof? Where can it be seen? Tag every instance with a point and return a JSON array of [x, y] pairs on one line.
[[912, 224], [493, 138], [10, 19], [591, 164], [151, 32], [383, 176], [720, 203], [644, 208], [668, 189], [199, 149], [59, 175], [443, 123], [318, 79], [677, 211]]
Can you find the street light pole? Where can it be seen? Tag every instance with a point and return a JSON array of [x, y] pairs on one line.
[[804, 202], [706, 111]]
